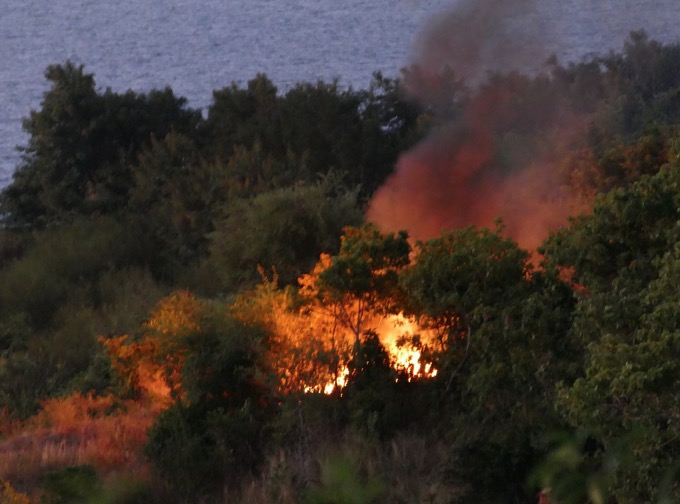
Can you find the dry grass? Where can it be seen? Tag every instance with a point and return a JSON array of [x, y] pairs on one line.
[[8, 424], [9, 495], [409, 469], [78, 430]]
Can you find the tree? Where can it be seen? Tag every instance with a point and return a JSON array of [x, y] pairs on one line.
[[624, 256], [322, 120], [390, 125], [311, 130], [503, 346], [81, 143], [612, 253], [304, 351], [174, 201], [645, 76], [217, 431], [51, 308], [362, 279], [240, 118], [459, 278], [357, 133], [283, 231], [214, 366]]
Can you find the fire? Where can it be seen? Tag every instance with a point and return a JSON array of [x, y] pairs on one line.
[[394, 332], [340, 382], [310, 348]]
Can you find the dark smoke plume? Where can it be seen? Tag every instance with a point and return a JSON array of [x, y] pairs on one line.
[[495, 157], [479, 36]]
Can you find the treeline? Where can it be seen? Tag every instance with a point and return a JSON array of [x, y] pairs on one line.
[[226, 258]]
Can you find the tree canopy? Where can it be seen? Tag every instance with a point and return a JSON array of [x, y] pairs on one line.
[[198, 304]]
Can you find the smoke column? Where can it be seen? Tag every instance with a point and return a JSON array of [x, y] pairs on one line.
[[478, 36], [475, 168]]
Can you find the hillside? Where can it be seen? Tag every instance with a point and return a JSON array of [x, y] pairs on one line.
[[336, 296]]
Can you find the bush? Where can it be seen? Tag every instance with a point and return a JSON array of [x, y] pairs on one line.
[[284, 230], [60, 266], [217, 428]]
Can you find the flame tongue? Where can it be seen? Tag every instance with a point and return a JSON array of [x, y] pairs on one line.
[[394, 332]]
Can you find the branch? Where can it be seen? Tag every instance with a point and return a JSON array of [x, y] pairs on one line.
[[460, 365]]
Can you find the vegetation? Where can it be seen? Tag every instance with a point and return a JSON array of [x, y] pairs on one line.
[[193, 309]]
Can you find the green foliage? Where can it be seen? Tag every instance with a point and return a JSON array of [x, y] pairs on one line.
[[342, 485], [336, 140], [283, 231], [613, 253], [182, 452], [458, 275], [253, 171], [503, 346], [173, 201], [39, 282], [367, 261], [492, 472], [217, 430], [75, 484], [365, 271], [223, 366], [268, 139], [465, 282], [55, 300], [391, 124], [572, 473], [240, 117], [12, 245], [624, 255], [118, 192], [82, 485], [124, 297], [617, 163], [646, 76], [196, 451], [371, 394], [81, 144], [35, 368]]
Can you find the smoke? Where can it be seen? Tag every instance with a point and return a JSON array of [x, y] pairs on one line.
[[496, 156], [479, 36]]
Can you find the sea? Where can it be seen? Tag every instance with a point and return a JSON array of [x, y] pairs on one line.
[[197, 46]]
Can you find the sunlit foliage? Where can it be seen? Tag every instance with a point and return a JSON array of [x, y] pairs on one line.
[[197, 302]]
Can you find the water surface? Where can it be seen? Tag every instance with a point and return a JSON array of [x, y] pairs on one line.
[[198, 46]]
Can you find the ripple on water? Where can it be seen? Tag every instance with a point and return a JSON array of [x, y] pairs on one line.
[[198, 46]]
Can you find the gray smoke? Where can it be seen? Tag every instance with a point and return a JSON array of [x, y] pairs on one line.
[[476, 37], [454, 178]]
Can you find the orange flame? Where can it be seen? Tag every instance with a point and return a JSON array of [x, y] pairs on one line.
[[394, 332]]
